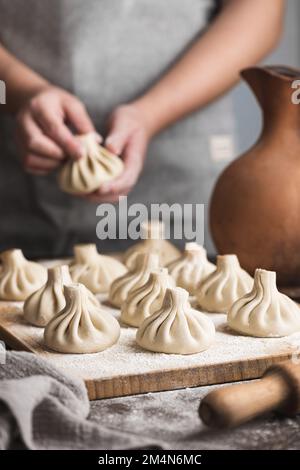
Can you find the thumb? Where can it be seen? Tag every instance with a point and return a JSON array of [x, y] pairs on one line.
[[118, 135], [134, 156], [77, 114]]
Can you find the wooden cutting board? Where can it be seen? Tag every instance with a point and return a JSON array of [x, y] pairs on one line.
[[126, 369]]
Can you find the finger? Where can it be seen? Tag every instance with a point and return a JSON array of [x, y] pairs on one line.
[[36, 142], [99, 138], [54, 127], [40, 163], [77, 114], [133, 159], [118, 135]]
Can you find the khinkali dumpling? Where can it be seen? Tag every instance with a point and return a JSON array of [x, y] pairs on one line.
[[82, 326], [19, 277], [47, 301], [153, 242], [142, 302], [120, 288], [176, 328], [265, 312], [95, 271], [224, 286], [94, 168], [191, 267]]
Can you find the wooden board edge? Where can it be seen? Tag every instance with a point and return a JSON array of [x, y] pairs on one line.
[[175, 379], [13, 342]]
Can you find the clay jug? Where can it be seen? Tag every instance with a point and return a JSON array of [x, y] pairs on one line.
[[255, 206]]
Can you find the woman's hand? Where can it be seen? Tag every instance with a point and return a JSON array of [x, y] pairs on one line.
[[128, 136], [43, 131]]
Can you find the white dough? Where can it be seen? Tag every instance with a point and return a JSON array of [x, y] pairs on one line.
[[191, 268], [94, 168], [265, 312], [224, 286], [95, 271], [82, 326], [121, 287], [47, 301], [19, 277], [143, 301], [176, 328]]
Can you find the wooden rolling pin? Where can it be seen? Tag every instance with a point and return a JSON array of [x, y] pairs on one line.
[[278, 390]]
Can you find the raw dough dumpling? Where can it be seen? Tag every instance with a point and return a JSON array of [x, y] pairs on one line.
[[176, 328], [94, 168], [120, 288], [224, 286], [191, 268], [95, 271], [265, 312], [82, 326], [142, 302], [19, 277], [153, 242], [47, 301]]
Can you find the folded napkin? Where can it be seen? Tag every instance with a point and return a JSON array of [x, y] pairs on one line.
[[42, 408]]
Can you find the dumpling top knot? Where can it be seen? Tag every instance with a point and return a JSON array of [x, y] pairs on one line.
[[224, 286], [94, 270], [41, 306], [96, 166], [191, 268], [153, 241], [122, 286], [146, 299]]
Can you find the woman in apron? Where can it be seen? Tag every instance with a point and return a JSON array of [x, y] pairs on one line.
[[149, 74]]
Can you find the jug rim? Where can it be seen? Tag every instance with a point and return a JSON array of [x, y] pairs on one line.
[[284, 72]]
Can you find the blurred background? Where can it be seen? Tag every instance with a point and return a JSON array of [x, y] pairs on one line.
[[287, 53]]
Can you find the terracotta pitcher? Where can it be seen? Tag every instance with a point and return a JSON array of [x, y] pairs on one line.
[[255, 206]]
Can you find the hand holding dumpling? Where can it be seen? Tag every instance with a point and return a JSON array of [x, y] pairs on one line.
[[96, 166]]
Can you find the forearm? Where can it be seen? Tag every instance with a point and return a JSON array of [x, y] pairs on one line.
[[21, 82], [244, 32]]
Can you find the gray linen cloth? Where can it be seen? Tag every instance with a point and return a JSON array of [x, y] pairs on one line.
[[44, 409]]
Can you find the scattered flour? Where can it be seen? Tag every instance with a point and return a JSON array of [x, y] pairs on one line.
[[126, 357]]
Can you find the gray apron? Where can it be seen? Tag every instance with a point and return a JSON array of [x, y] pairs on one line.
[[106, 53]]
